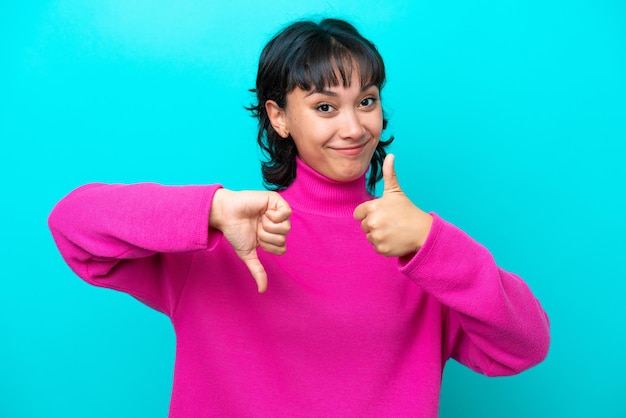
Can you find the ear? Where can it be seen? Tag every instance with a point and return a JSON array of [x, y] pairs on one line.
[[277, 118]]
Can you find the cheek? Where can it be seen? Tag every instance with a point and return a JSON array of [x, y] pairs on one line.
[[373, 148], [376, 124]]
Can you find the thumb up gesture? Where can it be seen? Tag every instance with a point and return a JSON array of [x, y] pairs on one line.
[[392, 223], [252, 219]]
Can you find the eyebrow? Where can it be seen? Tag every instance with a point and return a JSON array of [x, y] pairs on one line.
[[332, 93]]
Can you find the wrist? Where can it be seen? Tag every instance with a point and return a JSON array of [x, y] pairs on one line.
[[216, 211], [426, 223]]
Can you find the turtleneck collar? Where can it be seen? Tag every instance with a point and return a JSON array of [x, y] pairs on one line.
[[313, 193]]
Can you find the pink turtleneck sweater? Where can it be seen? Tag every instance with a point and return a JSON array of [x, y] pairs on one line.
[[341, 330]]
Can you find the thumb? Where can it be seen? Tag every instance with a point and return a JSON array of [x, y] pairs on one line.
[[256, 269], [390, 179]]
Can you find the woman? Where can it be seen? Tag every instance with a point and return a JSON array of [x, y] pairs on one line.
[[364, 299]]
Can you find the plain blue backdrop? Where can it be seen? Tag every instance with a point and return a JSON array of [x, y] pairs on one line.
[[509, 118]]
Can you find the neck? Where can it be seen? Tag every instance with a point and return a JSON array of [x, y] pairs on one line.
[[313, 193]]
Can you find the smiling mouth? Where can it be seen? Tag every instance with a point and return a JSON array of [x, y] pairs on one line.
[[349, 151]]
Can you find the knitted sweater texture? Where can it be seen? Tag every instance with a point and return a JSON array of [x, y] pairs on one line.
[[341, 330]]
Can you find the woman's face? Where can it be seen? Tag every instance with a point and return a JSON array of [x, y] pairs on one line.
[[335, 130]]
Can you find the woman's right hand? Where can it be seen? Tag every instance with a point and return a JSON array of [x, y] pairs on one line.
[[252, 219]]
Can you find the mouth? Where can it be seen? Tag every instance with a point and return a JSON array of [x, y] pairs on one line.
[[350, 151]]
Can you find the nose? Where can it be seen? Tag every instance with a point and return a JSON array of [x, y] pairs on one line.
[[351, 126]]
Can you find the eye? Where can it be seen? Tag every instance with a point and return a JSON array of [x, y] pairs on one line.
[[325, 108], [368, 102]]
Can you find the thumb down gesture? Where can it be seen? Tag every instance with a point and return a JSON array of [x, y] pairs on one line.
[[252, 219], [392, 223]]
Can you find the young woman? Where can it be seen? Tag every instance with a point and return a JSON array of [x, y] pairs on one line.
[[364, 299]]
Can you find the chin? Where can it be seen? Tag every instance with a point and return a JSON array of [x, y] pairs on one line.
[[352, 173]]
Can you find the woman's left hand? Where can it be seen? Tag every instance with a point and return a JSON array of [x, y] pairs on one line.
[[392, 223]]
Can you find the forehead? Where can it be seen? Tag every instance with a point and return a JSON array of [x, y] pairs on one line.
[[339, 68], [337, 77]]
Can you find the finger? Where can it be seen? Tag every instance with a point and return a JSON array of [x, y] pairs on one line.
[[266, 238], [275, 228], [389, 175], [278, 208], [257, 270], [272, 248]]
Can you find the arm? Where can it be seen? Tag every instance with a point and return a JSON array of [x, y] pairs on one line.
[[494, 324], [122, 236], [116, 236]]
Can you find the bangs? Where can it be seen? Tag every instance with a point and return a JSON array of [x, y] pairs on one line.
[[327, 61]]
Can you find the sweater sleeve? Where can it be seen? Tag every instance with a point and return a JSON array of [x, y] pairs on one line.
[[494, 324], [136, 238]]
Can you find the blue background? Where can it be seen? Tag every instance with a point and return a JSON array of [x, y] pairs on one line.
[[510, 121]]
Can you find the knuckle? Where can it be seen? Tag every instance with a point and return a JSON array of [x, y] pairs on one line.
[[378, 236], [374, 224], [383, 249]]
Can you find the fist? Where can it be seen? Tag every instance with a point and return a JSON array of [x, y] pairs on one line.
[[392, 223]]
